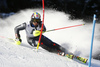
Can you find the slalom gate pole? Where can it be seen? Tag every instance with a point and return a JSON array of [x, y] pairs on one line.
[[65, 27], [94, 21], [41, 27]]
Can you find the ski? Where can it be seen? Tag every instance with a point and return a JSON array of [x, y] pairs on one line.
[[84, 60], [69, 56]]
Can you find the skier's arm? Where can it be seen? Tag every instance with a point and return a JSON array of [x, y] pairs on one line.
[[18, 28]]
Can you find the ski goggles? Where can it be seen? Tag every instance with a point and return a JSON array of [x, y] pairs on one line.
[[36, 20]]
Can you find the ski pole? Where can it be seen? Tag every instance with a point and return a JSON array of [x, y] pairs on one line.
[[65, 27], [6, 37], [41, 27]]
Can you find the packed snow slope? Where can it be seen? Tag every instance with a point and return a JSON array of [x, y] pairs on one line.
[[76, 40]]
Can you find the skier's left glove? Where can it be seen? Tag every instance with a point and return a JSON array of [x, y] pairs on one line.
[[18, 41], [37, 33]]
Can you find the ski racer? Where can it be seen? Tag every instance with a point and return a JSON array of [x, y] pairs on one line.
[[32, 29]]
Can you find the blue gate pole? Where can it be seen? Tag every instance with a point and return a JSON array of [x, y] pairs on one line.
[[94, 21]]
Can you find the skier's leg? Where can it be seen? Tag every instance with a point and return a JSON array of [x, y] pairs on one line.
[[58, 47], [51, 44]]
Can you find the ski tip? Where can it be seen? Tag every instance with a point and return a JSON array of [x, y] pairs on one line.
[[85, 60]]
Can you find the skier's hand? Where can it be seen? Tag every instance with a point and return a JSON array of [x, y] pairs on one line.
[[18, 41], [37, 33], [16, 35]]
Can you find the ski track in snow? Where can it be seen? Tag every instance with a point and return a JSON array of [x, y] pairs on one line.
[[24, 56]]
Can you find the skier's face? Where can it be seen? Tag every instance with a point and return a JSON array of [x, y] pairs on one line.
[[35, 23], [36, 20]]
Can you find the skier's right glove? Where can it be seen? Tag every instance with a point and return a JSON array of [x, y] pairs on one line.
[[18, 41]]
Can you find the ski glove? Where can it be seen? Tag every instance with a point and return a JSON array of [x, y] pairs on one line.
[[18, 41], [37, 33]]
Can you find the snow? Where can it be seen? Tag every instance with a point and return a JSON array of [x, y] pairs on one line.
[[77, 40]]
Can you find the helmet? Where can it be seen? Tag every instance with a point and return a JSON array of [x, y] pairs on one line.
[[36, 17]]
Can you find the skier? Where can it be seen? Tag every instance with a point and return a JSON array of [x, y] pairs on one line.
[[32, 29]]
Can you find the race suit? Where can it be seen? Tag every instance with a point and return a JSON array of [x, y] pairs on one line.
[[45, 42]]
